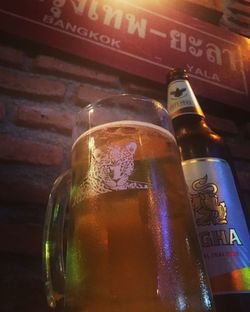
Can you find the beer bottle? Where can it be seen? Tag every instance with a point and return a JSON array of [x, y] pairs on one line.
[[217, 208]]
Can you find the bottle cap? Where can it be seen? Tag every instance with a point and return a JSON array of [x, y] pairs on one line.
[[176, 73]]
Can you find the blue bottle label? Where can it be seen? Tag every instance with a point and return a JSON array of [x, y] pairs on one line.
[[220, 223]]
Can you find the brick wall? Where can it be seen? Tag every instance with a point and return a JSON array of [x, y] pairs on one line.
[[41, 89]]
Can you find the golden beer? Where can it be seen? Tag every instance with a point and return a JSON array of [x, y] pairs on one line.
[[131, 246]]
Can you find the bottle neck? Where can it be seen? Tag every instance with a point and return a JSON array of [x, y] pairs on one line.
[[182, 100]]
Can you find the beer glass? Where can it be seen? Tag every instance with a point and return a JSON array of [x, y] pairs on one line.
[[119, 234]]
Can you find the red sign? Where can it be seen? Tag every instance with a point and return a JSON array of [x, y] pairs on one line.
[[141, 37]]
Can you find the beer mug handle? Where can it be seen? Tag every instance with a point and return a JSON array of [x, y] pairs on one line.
[[53, 239]]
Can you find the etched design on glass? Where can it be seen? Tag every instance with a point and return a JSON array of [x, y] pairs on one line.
[[206, 205], [109, 171]]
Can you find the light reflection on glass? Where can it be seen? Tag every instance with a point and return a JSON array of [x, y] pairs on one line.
[[205, 290], [161, 200], [181, 303], [91, 143], [164, 224]]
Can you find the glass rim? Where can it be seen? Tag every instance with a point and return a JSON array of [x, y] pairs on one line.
[[122, 96], [136, 104]]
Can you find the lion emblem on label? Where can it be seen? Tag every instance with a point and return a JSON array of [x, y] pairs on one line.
[[206, 205]]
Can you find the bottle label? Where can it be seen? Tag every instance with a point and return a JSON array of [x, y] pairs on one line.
[[180, 96], [220, 224]]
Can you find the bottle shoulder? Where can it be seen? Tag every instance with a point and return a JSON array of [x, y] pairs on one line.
[[195, 139]]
